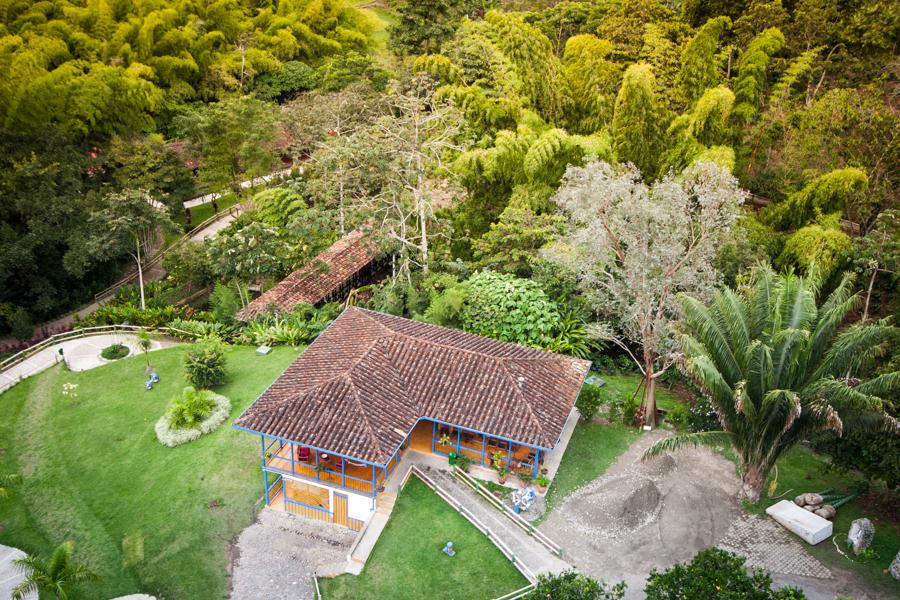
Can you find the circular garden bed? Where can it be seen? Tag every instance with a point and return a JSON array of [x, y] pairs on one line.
[[115, 352]]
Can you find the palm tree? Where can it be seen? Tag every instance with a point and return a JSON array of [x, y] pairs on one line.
[[56, 577], [145, 342], [778, 368]]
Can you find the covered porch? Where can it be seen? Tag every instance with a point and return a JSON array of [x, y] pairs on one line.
[[484, 450], [291, 458]]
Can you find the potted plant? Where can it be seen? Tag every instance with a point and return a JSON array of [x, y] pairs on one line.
[[497, 459], [464, 462], [542, 483], [445, 440], [502, 475], [525, 477]]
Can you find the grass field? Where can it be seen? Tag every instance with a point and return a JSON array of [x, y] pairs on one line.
[[407, 562], [802, 470], [94, 473]]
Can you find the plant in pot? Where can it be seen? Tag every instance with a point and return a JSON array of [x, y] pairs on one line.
[[464, 462], [497, 459], [445, 440], [542, 483], [502, 474], [525, 477]]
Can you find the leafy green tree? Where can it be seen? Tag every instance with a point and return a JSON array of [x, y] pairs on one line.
[[878, 253], [716, 575], [698, 131], [514, 241], [59, 577], [818, 247], [291, 78], [638, 121], [131, 220], [144, 162], [699, 66], [779, 366], [188, 264], [233, 138], [21, 325], [591, 80], [749, 85], [423, 25], [824, 195], [571, 585], [624, 23], [248, 253]]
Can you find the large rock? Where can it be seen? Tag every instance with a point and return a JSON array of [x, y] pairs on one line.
[[809, 526], [895, 567], [861, 533]]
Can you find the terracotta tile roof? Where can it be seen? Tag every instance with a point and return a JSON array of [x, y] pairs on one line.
[[319, 279], [362, 385]]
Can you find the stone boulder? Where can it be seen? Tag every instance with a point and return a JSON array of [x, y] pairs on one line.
[[895, 567], [861, 533]]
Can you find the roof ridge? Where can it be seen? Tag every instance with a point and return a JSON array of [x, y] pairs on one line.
[[543, 356], [360, 411], [518, 391]]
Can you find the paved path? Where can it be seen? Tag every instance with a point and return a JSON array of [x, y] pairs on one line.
[[10, 574], [80, 354], [277, 556]]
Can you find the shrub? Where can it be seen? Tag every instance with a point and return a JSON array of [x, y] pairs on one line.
[[131, 315], [464, 462], [570, 585], [715, 574], [630, 408], [589, 401], [201, 329], [115, 352], [204, 363], [20, 324], [703, 417], [225, 303], [191, 414]]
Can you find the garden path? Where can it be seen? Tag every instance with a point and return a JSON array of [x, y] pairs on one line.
[[80, 354]]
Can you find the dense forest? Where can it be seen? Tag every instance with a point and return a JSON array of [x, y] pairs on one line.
[[488, 145]]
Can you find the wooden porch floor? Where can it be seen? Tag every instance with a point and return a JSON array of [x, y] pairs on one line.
[[281, 460]]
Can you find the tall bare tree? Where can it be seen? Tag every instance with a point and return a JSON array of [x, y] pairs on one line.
[[634, 247]]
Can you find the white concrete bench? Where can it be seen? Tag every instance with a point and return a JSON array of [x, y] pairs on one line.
[[810, 527]]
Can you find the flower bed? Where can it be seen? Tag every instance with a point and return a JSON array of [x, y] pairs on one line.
[[174, 436]]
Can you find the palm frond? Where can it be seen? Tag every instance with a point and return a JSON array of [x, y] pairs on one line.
[[704, 327], [852, 347], [704, 438], [882, 385]]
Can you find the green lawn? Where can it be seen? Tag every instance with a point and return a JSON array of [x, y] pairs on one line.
[[407, 562], [205, 211], [94, 473], [802, 470], [592, 449], [381, 20], [623, 387]]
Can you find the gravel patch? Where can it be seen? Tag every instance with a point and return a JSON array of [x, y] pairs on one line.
[[277, 556]]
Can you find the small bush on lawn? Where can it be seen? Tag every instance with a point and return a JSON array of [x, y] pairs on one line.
[[678, 415], [191, 414], [204, 363], [114, 352], [589, 401], [715, 574], [570, 585]]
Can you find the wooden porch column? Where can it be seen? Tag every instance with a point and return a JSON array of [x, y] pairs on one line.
[[483, 445], [433, 433], [343, 470]]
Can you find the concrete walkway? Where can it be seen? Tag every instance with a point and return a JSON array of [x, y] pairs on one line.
[[80, 354], [10, 574]]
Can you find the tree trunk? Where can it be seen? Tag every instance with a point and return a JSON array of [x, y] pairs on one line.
[[140, 271], [649, 392], [869, 293], [751, 483]]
